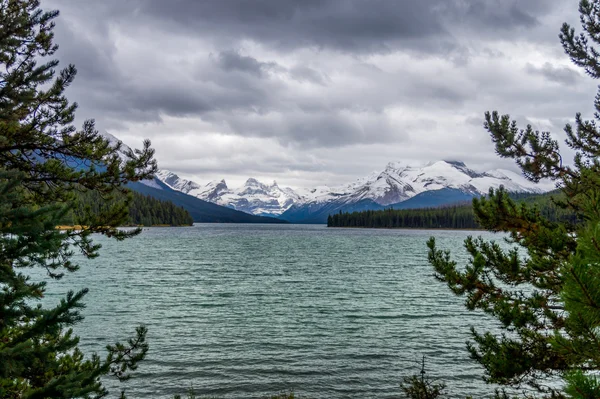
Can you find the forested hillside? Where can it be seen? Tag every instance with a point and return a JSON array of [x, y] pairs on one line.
[[143, 210], [456, 217], [459, 216], [201, 211], [148, 211]]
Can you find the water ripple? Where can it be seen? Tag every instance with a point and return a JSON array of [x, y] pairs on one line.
[[244, 311]]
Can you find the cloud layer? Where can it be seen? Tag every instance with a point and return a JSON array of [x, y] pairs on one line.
[[315, 92]]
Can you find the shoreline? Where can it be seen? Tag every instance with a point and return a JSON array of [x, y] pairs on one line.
[[80, 227], [408, 228]]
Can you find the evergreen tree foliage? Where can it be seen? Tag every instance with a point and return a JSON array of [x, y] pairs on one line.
[[45, 163], [448, 217], [454, 217], [545, 292], [143, 210], [422, 387]]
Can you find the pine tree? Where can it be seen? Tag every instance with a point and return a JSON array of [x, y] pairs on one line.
[[44, 163], [545, 292]]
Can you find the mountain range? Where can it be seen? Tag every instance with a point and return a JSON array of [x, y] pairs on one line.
[[398, 186], [200, 210], [253, 197]]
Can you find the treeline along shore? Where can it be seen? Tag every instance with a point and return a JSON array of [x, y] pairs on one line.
[[458, 216], [143, 210]]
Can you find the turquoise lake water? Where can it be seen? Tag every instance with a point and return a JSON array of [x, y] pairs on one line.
[[239, 311]]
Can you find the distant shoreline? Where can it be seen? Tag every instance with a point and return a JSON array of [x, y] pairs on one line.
[[80, 227], [407, 228]]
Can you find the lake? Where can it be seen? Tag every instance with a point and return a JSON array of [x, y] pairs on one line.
[[239, 311]]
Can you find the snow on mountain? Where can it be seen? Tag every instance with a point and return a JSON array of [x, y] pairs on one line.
[[212, 191], [253, 197], [398, 182], [448, 181], [261, 199], [175, 182], [113, 141]]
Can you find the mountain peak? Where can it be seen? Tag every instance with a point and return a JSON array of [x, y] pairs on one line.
[[446, 166], [176, 182], [399, 182], [252, 182], [459, 164], [396, 165], [113, 141], [221, 184], [211, 191]]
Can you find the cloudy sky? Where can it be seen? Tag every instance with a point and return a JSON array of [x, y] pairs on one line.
[[311, 92]]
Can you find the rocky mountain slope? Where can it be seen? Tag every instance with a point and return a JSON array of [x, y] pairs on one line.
[[451, 181], [253, 197], [168, 187]]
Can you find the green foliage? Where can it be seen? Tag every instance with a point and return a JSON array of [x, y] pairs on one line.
[[143, 210], [448, 217], [415, 387], [545, 292], [422, 387], [45, 163], [202, 211], [148, 211], [456, 217], [581, 386]]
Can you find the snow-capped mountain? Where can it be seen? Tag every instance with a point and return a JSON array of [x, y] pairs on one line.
[[253, 197], [399, 182], [399, 185], [201, 211], [404, 186], [176, 183], [450, 180], [112, 140]]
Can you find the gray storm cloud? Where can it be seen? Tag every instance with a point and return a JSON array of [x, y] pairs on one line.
[[316, 91]]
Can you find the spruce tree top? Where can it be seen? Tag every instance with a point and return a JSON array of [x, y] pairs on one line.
[[545, 292]]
